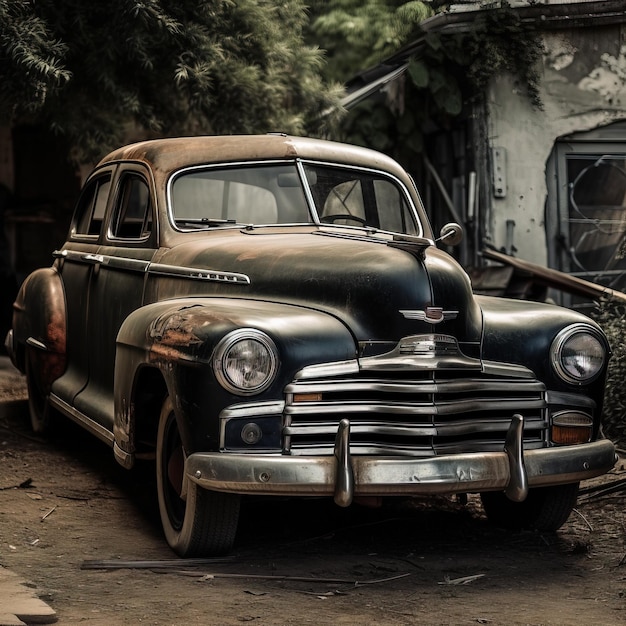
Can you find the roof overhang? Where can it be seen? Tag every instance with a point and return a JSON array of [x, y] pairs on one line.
[[547, 14]]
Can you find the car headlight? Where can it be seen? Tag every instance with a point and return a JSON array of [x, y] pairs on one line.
[[578, 354], [245, 361]]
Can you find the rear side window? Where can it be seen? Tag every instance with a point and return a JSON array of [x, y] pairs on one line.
[[133, 211], [91, 206]]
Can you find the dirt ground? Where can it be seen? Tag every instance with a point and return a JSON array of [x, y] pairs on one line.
[[64, 503]]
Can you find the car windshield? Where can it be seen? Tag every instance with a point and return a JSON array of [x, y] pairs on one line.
[[354, 197], [274, 194]]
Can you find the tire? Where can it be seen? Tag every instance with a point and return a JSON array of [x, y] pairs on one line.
[[205, 523], [545, 509], [40, 412]]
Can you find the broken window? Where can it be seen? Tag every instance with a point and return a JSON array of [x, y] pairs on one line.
[[597, 217], [586, 209]]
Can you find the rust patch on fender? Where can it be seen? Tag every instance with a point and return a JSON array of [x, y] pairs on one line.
[[174, 331]]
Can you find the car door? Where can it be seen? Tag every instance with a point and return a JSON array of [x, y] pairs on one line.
[[116, 285], [77, 261]]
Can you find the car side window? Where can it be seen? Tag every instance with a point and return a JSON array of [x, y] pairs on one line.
[[133, 211], [91, 207]]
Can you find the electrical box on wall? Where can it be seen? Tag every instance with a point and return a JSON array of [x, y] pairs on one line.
[[498, 172]]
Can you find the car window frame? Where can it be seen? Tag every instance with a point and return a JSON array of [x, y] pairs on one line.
[[229, 165], [99, 174], [311, 205], [383, 174], [123, 172]]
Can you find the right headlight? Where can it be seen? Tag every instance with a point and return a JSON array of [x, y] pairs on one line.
[[578, 354]]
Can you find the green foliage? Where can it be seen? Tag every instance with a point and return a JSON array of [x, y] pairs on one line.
[[360, 33], [611, 315], [450, 71], [500, 42], [91, 70], [31, 61]]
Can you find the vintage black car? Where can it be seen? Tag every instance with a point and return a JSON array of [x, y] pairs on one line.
[[271, 315]]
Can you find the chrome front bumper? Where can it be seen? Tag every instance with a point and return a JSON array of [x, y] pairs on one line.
[[343, 476]]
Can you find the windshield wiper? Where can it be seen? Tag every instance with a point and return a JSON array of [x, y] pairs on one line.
[[206, 221]]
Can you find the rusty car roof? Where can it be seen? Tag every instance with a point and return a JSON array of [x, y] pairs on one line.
[[170, 154]]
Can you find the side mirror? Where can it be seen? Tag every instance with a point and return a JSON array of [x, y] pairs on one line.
[[451, 234]]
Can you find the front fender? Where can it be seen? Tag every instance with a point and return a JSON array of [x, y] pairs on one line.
[[178, 337], [522, 332]]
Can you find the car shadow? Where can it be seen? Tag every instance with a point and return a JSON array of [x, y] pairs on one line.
[[436, 536]]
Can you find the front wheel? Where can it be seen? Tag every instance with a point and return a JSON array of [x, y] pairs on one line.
[[205, 522], [545, 508]]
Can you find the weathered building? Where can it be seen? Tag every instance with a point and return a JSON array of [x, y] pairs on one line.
[[545, 183]]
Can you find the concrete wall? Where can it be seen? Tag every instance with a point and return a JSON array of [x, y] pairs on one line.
[[583, 87]]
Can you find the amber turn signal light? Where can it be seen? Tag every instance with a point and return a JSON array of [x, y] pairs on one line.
[[571, 427], [307, 397]]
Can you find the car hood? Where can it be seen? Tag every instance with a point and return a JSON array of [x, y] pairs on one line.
[[382, 290]]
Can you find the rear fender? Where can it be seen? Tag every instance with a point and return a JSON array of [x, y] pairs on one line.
[[39, 324], [179, 336]]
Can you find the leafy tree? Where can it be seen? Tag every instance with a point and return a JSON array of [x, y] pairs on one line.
[[91, 70], [358, 34], [446, 70]]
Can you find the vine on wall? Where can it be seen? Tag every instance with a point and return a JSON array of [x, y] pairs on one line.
[[451, 72]]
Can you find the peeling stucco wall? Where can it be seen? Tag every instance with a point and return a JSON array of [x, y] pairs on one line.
[[583, 87]]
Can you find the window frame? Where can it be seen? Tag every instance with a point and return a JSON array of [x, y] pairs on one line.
[[608, 142], [125, 174], [97, 179], [300, 163]]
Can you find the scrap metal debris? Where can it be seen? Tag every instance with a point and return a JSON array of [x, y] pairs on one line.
[[555, 279], [189, 567], [597, 491], [464, 580], [48, 513]]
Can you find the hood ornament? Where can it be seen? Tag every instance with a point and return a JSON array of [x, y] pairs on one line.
[[431, 315]]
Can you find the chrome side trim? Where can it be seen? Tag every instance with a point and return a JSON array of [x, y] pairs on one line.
[[107, 260], [322, 370], [570, 399], [81, 419], [162, 269], [251, 409]]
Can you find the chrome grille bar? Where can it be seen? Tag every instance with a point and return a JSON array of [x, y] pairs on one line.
[[407, 412]]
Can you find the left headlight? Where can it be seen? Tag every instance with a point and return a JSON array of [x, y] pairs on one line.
[[578, 354], [245, 361]]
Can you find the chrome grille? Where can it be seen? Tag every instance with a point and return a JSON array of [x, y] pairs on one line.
[[413, 411]]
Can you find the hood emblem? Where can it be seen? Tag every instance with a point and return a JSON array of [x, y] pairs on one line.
[[431, 315]]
